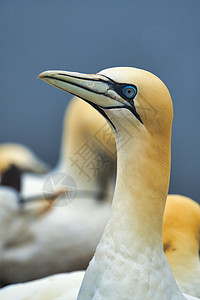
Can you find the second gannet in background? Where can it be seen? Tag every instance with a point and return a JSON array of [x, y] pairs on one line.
[[26, 254], [129, 262], [22, 157], [181, 242]]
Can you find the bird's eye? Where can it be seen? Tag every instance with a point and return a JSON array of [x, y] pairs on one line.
[[129, 91]]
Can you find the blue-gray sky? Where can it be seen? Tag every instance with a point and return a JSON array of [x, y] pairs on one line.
[[87, 36]]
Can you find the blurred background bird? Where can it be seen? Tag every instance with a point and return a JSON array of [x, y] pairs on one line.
[[47, 236]]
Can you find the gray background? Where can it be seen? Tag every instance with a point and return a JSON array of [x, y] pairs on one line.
[[87, 36]]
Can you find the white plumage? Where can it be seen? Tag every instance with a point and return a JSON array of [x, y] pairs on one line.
[[62, 286]]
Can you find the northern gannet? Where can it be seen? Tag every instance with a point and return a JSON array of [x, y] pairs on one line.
[[129, 262], [181, 242], [181, 217]]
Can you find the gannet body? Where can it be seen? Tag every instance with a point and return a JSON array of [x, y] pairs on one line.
[[55, 287], [181, 242], [129, 262]]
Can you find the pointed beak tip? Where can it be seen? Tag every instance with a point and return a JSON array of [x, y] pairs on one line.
[[41, 75]]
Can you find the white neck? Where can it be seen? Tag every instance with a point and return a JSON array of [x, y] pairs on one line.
[[129, 262]]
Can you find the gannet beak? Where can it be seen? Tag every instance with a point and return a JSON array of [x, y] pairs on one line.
[[96, 89]]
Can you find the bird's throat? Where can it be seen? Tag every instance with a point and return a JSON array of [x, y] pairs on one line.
[[141, 191]]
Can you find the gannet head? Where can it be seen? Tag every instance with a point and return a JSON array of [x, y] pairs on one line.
[[181, 242], [141, 95], [181, 231]]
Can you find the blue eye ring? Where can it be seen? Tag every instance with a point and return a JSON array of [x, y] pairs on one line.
[[129, 91]]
